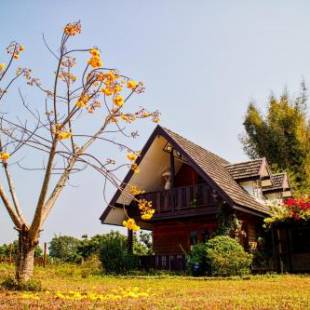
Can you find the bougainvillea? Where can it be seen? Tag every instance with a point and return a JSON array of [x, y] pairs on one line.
[[291, 209]]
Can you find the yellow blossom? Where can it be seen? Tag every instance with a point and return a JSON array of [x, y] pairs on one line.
[[135, 168], [131, 224], [132, 156], [4, 156], [95, 62], [82, 102], [16, 56], [94, 52], [132, 84], [2, 67], [72, 29], [21, 48], [117, 89], [134, 190], [62, 135], [107, 91], [118, 100]]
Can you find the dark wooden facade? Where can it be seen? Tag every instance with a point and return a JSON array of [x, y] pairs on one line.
[[291, 243]]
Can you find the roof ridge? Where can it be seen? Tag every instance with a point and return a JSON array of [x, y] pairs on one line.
[[206, 150], [245, 162]]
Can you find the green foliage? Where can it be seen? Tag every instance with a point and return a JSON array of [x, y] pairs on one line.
[[282, 136], [114, 256], [226, 257], [219, 256], [142, 245], [65, 248], [10, 250], [13, 285], [92, 266]]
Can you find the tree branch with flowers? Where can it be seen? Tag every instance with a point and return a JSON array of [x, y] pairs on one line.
[[57, 131]]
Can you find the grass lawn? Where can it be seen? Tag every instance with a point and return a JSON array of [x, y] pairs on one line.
[[65, 288]]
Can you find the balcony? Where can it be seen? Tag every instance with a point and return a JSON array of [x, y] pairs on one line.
[[184, 200]]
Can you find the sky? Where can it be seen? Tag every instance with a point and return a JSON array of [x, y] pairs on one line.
[[202, 62]]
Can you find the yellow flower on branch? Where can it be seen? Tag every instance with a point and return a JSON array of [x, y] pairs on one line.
[[131, 224], [131, 84], [95, 62], [118, 100], [62, 135], [21, 48], [107, 91], [2, 67], [117, 88], [132, 156], [135, 190], [4, 156], [82, 102], [135, 168], [94, 52], [72, 29]]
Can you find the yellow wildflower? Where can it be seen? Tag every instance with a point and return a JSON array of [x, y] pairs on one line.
[[118, 100], [21, 48], [132, 84], [16, 56], [4, 156], [2, 67]]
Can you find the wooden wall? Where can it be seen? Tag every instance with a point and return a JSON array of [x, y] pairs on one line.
[[169, 237]]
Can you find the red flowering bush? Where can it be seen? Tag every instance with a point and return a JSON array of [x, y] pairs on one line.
[[297, 209]]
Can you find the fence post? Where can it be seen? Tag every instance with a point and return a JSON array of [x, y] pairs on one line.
[[45, 254]]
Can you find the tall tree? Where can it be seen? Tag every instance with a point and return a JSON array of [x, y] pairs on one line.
[[58, 129], [282, 136]]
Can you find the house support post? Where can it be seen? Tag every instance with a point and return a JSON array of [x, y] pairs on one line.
[[130, 241], [172, 176]]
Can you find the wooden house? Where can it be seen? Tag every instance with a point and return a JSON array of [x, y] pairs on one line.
[[188, 186]]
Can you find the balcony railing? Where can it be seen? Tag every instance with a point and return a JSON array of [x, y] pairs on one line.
[[180, 198]]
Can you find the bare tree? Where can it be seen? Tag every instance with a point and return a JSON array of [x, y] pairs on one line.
[[58, 132]]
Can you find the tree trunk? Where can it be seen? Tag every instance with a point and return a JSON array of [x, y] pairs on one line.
[[25, 257]]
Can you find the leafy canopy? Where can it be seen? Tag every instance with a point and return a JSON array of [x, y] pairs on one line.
[[282, 135]]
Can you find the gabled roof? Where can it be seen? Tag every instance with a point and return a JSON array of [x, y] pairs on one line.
[[279, 182], [245, 170], [214, 167], [210, 166]]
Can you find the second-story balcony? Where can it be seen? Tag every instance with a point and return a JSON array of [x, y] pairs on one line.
[[193, 199]]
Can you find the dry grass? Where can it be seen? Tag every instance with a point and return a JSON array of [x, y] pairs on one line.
[[66, 289]]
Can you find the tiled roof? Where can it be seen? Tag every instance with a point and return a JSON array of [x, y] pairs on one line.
[[246, 169], [277, 182], [216, 168]]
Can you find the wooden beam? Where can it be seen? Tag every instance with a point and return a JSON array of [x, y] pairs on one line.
[[172, 169], [130, 241]]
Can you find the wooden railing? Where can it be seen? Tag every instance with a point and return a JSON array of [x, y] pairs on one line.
[[163, 262], [180, 198]]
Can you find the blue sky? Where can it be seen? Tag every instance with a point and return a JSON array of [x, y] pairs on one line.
[[201, 61]]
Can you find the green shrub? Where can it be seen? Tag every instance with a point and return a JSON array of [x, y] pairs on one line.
[[13, 285], [91, 266], [114, 256], [226, 257], [219, 256]]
